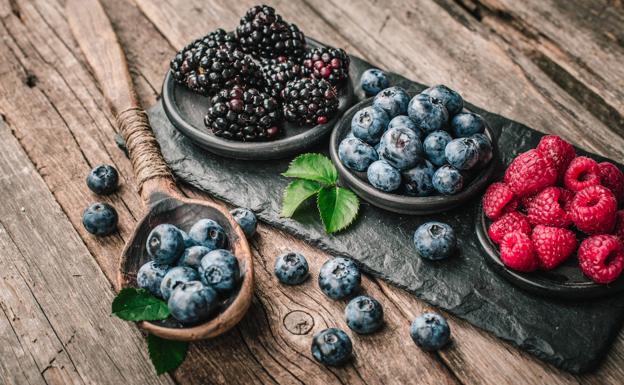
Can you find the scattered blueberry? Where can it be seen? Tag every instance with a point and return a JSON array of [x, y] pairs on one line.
[[209, 233], [192, 302], [435, 240], [188, 241], [150, 276], [462, 153], [246, 219], [430, 331], [100, 219], [393, 100], [339, 278], [356, 154], [165, 244], [103, 179], [451, 99], [192, 256], [485, 149], [383, 176], [401, 148], [418, 180], [291, 268], [428, 113], [331, 347], [369, 124], [447, 180], [373, 80], [466, 124], [404, 121], [434, 146], [176, 276], [364, 314], [219, 269]]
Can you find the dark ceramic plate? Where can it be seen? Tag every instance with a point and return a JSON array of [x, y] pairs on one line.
[[186, 110], [565, 281], [396, 202]]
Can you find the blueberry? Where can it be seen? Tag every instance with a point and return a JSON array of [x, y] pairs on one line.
[[246, 219], [103, 179], [447, 180], [417, 180], [192, 256], [150, 276], [401, 148], [383, 176], [209, 233], [404, 121], [364, 314], [339, 278], [291, 268], [462, 153], [165, 244], [373, 80], [434, 146], [428, 113], [369, 124], [192, 302], [100, 219], [485, 149], [331, 347], [188, 241], [219, 270], [466, 124], [430, 331], [356, 154], [393, 100], [435, 240], [451, 99], [175, 277]]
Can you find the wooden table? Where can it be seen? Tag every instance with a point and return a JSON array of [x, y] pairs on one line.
[[554, 65]]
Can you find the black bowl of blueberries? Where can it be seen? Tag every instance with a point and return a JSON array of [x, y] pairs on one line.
[[412, 153]]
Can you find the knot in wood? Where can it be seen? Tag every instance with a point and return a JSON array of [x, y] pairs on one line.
[[298, 322]]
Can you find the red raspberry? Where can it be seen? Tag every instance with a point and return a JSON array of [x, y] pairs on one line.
[[516, 252], [558, 151], [582, 172], [509, 222], [553, 245], [498, 200], [550, 207], [619, 225], [612, 178], [593, 210], [601, 258], [530, 173]]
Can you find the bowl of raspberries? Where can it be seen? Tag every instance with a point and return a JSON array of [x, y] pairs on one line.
[[554, 223], [413, 153], [263, 91]]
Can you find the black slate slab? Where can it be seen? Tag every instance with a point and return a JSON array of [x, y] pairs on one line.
[[572, 335]]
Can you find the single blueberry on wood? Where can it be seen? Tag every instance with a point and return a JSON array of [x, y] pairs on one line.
[[430, 331], [331, 347], [176, 276], [219, 269], [208, 233], [369, 124], [291, 268], [364, 314], [383, 176], [356, 154], [192, 302], [100, 219], [192, 256], [246, 219], [373, 80], [165, 244], [434, 146], [428, 113], [103, 179], [435, 241], [450, 98], [393, 100], [448, 180], [418, 180], [150, 276], [339, 278], [401, 148], [467, 124]]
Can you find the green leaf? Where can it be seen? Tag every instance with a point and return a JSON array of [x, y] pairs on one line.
[[314, 167], [166, 355], [296, 193], [338, 208], [133, 304]]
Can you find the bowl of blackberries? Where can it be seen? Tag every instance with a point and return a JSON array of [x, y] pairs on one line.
[[263, 91], [413, 153]]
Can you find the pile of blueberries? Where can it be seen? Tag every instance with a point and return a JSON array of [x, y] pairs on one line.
[[423, 146]]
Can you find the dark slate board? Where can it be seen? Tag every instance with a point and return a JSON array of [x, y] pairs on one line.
[[574, 336]]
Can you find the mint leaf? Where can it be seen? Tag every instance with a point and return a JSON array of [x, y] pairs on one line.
[[338, 207], [314, 167], [133, 304], [296, 193], [166, 355]]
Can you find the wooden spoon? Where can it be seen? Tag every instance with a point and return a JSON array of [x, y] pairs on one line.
[[165, 202]]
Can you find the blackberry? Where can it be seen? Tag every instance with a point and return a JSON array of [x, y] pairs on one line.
[[331, 64], [243, 114], [309, 101], [264, 34], [279, 72]]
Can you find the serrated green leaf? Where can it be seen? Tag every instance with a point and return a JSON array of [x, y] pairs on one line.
[[338, 208], [166, 355], [297, 192], [133, 304], [314, 167]]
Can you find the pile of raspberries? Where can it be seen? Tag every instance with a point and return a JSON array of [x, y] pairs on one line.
[[547, 197]]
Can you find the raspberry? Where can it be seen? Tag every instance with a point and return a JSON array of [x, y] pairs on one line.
[[530, 173], [601, 258], [516, 252], [612, 178], [550, 206], [526, 201], [582, 172], [553, 245], [498, 200], [593, 210], [558, 151], [509, 222], [619, 225]]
